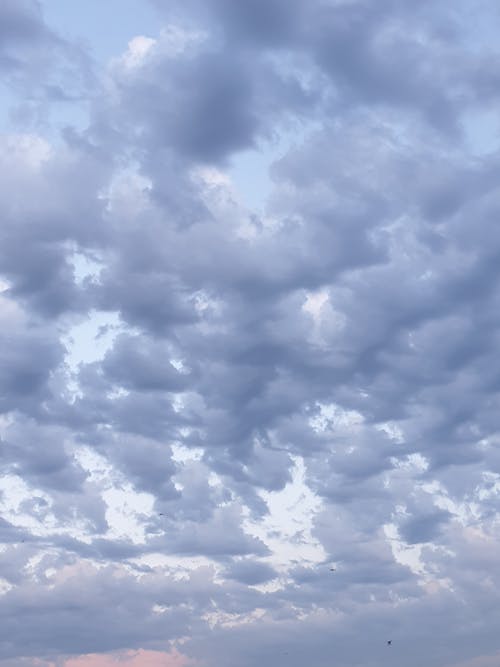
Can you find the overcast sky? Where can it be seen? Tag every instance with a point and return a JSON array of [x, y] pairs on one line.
[[249, 333]]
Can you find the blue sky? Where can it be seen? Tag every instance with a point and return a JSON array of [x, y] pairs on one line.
[[105, 28], [248, 333]]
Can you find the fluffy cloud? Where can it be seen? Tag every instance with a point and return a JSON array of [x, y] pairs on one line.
[[282, 444]]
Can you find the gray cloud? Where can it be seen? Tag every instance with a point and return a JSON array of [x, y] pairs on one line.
[[310, 385], [423, 528], [22, 28], [251, 572], [40, 68]]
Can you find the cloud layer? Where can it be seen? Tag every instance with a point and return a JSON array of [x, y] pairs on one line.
[[238, 434]]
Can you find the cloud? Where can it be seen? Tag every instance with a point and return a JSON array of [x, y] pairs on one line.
[[481, 661], [22, 27], [131, 658], [285, 438], [39, 66], [248, 572], [424, 528]]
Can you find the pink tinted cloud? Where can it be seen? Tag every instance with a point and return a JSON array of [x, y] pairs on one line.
[[139, 658], [481, 661]]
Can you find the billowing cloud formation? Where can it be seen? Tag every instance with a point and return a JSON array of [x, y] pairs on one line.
[[242, 432]]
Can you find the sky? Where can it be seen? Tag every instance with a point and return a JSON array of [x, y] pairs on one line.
[[249, 332]]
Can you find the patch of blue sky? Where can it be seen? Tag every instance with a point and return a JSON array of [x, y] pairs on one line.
[[249, 173], [250, 170], [482, 131], [105, 28]]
